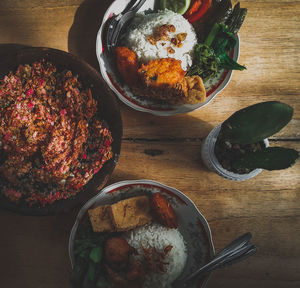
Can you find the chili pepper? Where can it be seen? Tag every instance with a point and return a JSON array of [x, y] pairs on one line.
[[197, 10], [195, 5]]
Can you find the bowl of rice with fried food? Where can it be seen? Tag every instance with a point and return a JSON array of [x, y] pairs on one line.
[[138, 233], [163, 63], [60, 134]]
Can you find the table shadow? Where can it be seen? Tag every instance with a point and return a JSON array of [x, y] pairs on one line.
[[11, 48], [83, 32]]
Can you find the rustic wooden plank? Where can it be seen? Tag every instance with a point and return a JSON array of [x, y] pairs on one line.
[[179, 165], [276, 262], [34, 250], [69, 25], [197, 124]]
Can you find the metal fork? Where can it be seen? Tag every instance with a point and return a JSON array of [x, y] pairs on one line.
[[117, 22]]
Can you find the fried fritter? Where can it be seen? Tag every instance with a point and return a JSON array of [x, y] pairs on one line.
[[100, 219], [117, 252], [164, 79], [163, 211], [130, 213], [196, 92], [127, 64], [161, 73]]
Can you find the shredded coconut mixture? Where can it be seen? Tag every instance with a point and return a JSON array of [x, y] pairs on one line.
[[51, 142]]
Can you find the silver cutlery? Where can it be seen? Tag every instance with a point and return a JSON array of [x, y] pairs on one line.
[[236, 251]]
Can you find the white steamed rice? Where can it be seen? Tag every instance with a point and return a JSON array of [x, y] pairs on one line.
[[159, 237], [146, 24]]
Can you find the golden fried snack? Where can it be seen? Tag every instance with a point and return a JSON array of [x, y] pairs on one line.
[[195, 90], [163, 211], [130, 213], [100, 219], [164, 79], [127, 64], [161, 73]]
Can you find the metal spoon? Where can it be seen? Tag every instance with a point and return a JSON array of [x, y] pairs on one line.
[[236, 251]]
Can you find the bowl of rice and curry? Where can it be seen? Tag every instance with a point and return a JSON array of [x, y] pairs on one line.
[[60, 131], [140, 234], [171, 56]]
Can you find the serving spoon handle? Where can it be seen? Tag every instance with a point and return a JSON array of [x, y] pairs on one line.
[[238, 250]]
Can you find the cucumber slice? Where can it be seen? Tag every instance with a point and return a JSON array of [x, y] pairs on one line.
[[178, 6]]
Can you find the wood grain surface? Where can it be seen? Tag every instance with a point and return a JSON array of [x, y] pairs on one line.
[[34, 250]]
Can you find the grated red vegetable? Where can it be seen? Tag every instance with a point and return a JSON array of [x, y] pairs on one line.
[[50, 135]]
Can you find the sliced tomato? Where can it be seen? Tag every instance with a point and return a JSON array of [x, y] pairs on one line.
[[197, 9]]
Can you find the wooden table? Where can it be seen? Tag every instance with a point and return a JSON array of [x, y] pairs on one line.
[[34, 250]]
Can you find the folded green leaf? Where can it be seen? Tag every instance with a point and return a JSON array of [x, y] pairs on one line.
[[271, 158], [256, 122], [228, 63]]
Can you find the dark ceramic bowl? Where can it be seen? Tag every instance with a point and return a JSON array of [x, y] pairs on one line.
[[108, 110]]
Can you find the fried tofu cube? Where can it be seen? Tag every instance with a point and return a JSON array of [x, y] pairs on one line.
[[130, 213], [100, 219]]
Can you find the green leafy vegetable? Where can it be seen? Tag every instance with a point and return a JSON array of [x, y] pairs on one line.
[[228, 63], [205, 64], [236, 19], [212, 55], [221, 40], [256, 122], [88, 253], [77, 273], [96, 254], [239, 146], [91, 273]]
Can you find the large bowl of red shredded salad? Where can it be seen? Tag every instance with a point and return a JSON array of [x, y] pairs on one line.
[[60, 134]]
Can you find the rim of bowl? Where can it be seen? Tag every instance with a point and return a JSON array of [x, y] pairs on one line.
[[174, 110], [210, 160], [123, 183]]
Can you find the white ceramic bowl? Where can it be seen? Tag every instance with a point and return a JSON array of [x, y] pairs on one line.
[[192, 224], [211, 162], [108, 71]]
